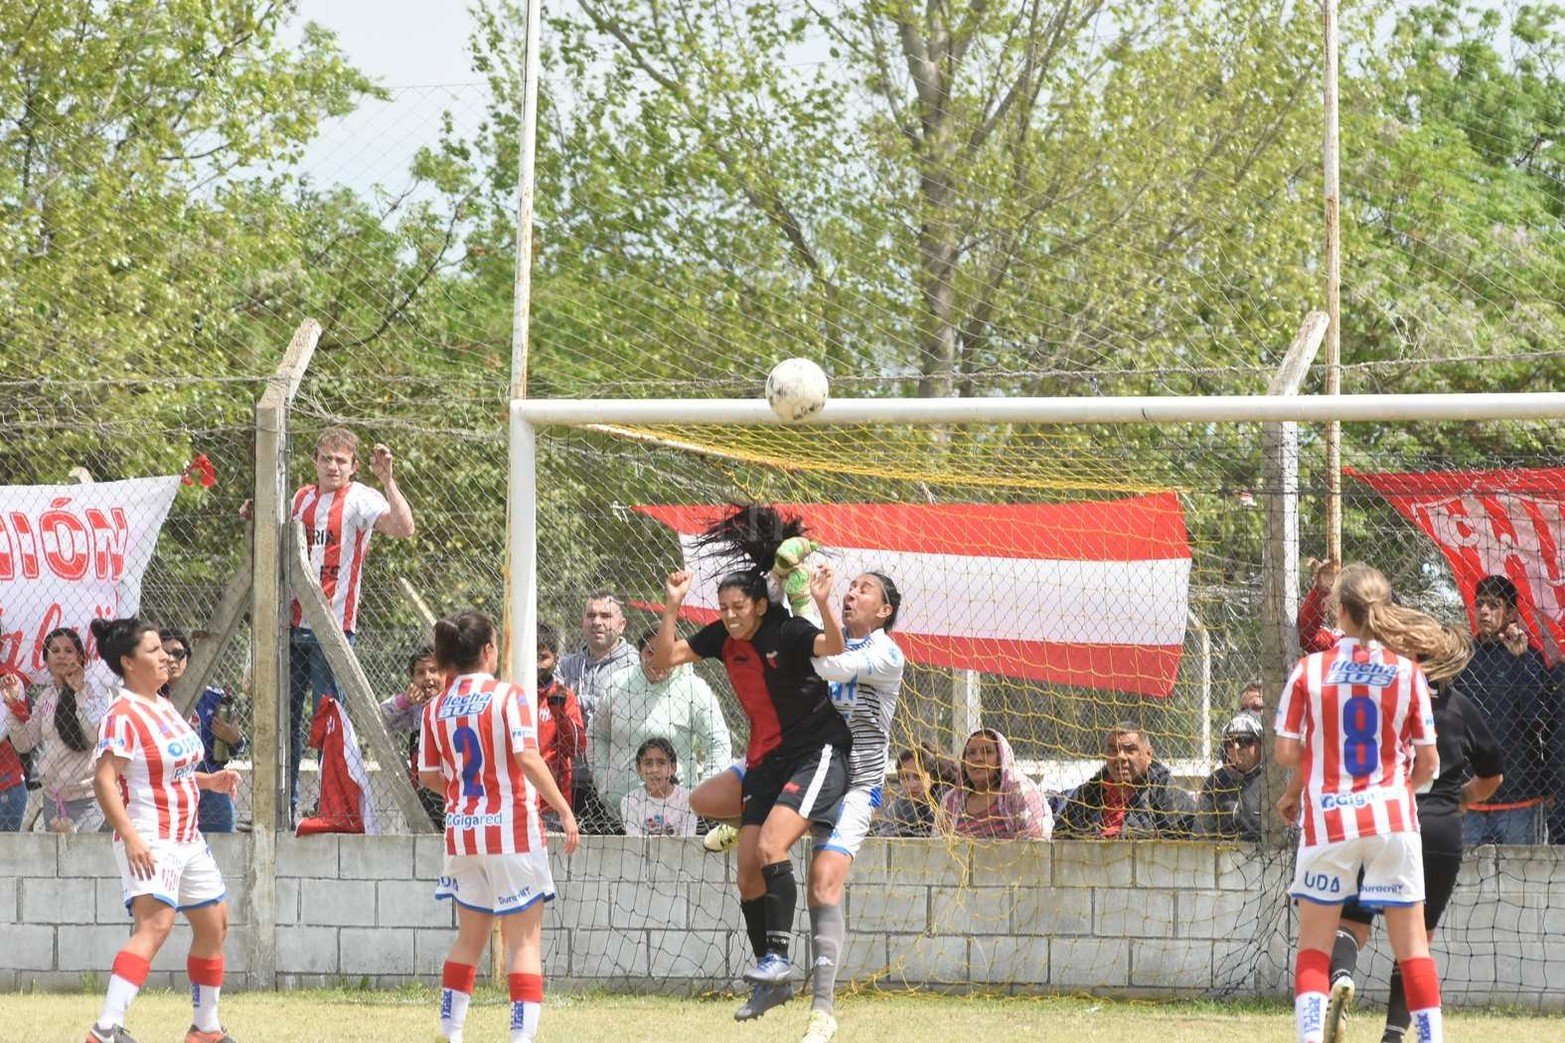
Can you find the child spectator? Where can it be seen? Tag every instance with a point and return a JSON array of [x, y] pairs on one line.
[[561, 735], [13, 781], [404, 712], [924, 777], [661, 807]]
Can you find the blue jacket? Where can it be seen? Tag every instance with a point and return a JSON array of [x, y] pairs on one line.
[[201, 715], [1519, 698]]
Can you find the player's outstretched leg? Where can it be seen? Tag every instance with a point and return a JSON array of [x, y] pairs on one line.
[[132, 964]]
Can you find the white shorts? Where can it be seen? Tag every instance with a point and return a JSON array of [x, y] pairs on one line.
[[497, 884], [1392, 864], [184, 875], [853, 821]]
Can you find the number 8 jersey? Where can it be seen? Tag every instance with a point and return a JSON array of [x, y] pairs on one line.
[[471, 734], [1356, 708]]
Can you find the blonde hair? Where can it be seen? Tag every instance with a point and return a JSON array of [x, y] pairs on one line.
[[338, 438], [1364, 596]]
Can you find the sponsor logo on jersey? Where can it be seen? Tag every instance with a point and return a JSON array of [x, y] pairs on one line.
[[465, 705], [515, 898], [1362, 799], [190, 744], [457, 820], [1370, 675]]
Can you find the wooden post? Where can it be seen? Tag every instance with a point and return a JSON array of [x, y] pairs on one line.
[[358, 698], [967, 707], [1280, 552], [221, 628], [269, 632]]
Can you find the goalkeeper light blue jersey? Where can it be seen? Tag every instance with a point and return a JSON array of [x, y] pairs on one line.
[[865, 681]]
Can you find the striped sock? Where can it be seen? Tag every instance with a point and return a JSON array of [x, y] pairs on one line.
[[456, 992], [526, 1006], [206, 981], [1310, 976], [130, 973], [1421, 984]]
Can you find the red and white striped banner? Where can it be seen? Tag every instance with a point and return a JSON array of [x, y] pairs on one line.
[[1090, 594], [1493, 523]]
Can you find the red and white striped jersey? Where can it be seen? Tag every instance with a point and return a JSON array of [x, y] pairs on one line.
[[339, 525], [471, 735], [159, 784], [1358, 709]]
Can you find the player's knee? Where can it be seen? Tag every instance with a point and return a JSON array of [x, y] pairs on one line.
[[825, 892], [156, 929]]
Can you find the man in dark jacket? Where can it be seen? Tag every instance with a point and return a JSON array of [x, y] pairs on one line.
[[1512, 686], [1132, 797], [1229, 806]]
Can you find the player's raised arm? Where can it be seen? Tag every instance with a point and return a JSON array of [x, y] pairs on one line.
[[668, 648], [830, 641]]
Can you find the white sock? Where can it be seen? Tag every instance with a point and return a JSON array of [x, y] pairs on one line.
[[1428, 1026], [204, 999], [116, 1001], [524, 1020], [1309, 1015], [453, 1013]]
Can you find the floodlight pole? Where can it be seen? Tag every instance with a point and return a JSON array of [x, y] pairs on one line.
[[1333, 283]]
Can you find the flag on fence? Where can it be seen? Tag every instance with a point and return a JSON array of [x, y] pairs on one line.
[[1091, 594], [346, 804], [1493, 523]]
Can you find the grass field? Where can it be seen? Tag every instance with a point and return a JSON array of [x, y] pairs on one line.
[[362, 1017]]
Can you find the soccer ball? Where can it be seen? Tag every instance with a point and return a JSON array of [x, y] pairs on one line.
[[796, 389]]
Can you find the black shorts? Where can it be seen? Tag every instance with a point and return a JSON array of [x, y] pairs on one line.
[[811, 784], [1442, 841]]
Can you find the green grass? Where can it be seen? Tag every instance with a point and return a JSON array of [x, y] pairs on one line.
[[353, 1016]]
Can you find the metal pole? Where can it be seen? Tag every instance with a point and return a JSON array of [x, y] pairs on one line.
[[1333, 286]]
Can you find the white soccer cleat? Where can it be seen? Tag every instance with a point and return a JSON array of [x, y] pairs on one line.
[[721, 837], [822, 1027], [1338, 1006]]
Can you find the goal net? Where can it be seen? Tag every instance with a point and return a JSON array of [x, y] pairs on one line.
[[1070, 588]]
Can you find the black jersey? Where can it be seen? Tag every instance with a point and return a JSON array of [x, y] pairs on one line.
[[1467, 749], [788, 705]]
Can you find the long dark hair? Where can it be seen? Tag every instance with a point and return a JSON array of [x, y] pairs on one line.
[[747, 537], [460, 640], [66, 724]]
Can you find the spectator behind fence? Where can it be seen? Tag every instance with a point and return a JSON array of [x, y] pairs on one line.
[[1513, 687], [210, 715], [1253, 698], [1229, 807], [993, 799], [923, 778], [64, 726], [404, 712], [339, 516], [660, 806], [674, 705], [13, 781], [1132, 796], [561, 735], [1318, 628], [589, 672]]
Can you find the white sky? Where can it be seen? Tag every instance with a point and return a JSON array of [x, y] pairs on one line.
[[399, 42]]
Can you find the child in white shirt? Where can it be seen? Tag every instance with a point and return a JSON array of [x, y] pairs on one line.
[[661, 807]]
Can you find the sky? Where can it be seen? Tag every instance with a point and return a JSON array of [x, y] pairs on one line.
[[399, 42]]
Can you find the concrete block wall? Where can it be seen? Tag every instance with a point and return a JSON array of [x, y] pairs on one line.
[[1135, 919]]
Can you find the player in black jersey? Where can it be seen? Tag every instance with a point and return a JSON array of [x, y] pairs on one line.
[[1471, 766], [797, 759]]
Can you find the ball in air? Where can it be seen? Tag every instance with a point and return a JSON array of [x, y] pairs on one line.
[[796, 389]]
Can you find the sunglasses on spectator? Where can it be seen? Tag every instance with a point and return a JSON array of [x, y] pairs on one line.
[[1240, 740], [179, 653]]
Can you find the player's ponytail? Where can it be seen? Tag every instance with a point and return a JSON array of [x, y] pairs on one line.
[[748, 536], [1365, 598], [460, 640]]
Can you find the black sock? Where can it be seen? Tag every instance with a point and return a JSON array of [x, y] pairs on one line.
[[1344, 955], [781, 898], [754, 910], [1397, 1017]]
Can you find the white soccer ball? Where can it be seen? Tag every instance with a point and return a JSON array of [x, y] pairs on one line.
[[796, 389]]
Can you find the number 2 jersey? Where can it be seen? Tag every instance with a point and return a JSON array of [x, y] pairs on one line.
[[158, 786], [471, 734], [1357, 708]]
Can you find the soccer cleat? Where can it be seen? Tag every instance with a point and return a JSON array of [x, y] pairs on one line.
[[762, 999], [1338, 1006], [117, 1034], [195, 1035], [772, 970], [821, 1028], [721, 837]]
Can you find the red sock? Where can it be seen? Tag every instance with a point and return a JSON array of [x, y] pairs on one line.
[[459, 977], [526, 988], [1312, 972], [205, 972], [132, 968], [1421, 983]]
